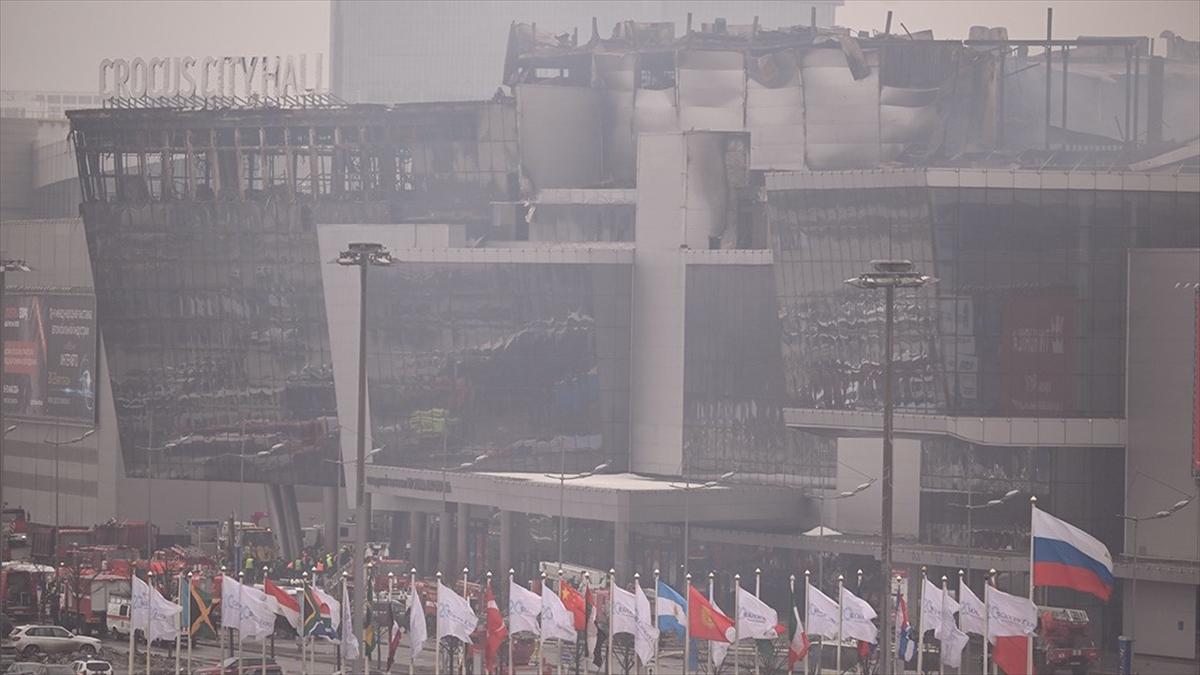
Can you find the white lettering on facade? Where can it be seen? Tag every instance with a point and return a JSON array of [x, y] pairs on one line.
[[243, 76]]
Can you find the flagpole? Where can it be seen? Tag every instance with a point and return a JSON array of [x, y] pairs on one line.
[[687, 616], [541, 655], [921, 625], [896, 657], [179, 632], [132, 644], [312, 640], [841, 585], [757, 589], [637, 583], [654, 668], [560, 595], [240, 578], [942, 642], [807, 618], [189, 619], [1029, 638], [149, 611], [987, 615], [437, 639], [960, 599], [737, 660], [414, 605], [712, 577], [467, 597], [391, 611], [303, 623], [612, 583]]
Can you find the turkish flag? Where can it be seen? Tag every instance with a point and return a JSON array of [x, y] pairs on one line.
[[574, 601], [496, 632], [1011, 655], [706, 622]]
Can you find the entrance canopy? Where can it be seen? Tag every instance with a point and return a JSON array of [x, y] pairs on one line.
[[623, 497]]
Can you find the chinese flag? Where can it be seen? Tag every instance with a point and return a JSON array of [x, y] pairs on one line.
[[706, 622], [575, 604], [1011, 654]]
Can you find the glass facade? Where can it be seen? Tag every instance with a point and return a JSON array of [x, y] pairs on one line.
[[523, 364], [214, 326], [1028, 316], [733, 384]]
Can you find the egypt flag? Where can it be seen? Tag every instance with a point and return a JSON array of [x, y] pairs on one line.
[[1065, 556], [286, 606], [798, 639], [706, 622], [496, 632]]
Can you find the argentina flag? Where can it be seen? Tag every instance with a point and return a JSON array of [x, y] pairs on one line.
[[671, 610]]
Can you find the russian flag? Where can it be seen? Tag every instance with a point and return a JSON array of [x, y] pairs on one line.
[[1067, 557]]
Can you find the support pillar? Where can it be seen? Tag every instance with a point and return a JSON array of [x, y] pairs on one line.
[[621, 562], [398, 534], [416, 540], [445, 532], [329, 504], [462, 526], [506, 541]]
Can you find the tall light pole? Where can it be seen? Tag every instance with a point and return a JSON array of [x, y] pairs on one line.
[[6, 265], [563, 477], [972, 508], [150, 451], [362, 255], [844, 494], [1165, 513], [888, 275], [687, 488], [57, 451]]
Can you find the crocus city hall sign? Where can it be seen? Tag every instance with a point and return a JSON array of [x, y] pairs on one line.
[[212, 76]]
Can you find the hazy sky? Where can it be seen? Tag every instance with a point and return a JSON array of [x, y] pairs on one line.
[[58, 44]]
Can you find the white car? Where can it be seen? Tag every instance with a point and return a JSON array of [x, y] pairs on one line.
[[30, 641], [91, 667]]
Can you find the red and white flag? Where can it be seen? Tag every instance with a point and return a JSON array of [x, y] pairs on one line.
[[496, 633], [285, 605]]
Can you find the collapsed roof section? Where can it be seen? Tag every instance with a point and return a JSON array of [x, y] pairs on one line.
[[820, 99]]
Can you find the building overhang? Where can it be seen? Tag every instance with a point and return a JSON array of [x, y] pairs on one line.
[[997, 431], [622, 497]]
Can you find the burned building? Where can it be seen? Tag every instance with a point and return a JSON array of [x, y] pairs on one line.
[[635, 257]]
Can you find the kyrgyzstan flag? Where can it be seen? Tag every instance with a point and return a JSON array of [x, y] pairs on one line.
[[706, 622], [288, 606], [496, 632], [575, 603]]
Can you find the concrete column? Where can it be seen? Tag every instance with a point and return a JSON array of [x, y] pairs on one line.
[[416, 540], [506, 541], [462, 524], [621, 562], [445, 533], [398, 533], [329, 504]]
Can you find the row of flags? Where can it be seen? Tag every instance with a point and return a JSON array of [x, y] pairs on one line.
[[1062, 556]]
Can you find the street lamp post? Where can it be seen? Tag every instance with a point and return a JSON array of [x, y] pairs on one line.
[[6, 265], [844, 494], [888, 275], [972, 508], [687, 488], [1165, 513], [57, 451], [563, 477], [150, 452], [363, 256]]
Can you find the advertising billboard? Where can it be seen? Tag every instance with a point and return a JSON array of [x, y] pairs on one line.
[[50, 356], [1037, 354]]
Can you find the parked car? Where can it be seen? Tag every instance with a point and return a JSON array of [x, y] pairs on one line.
[[251, 665], [91, 667], [29, 641]]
